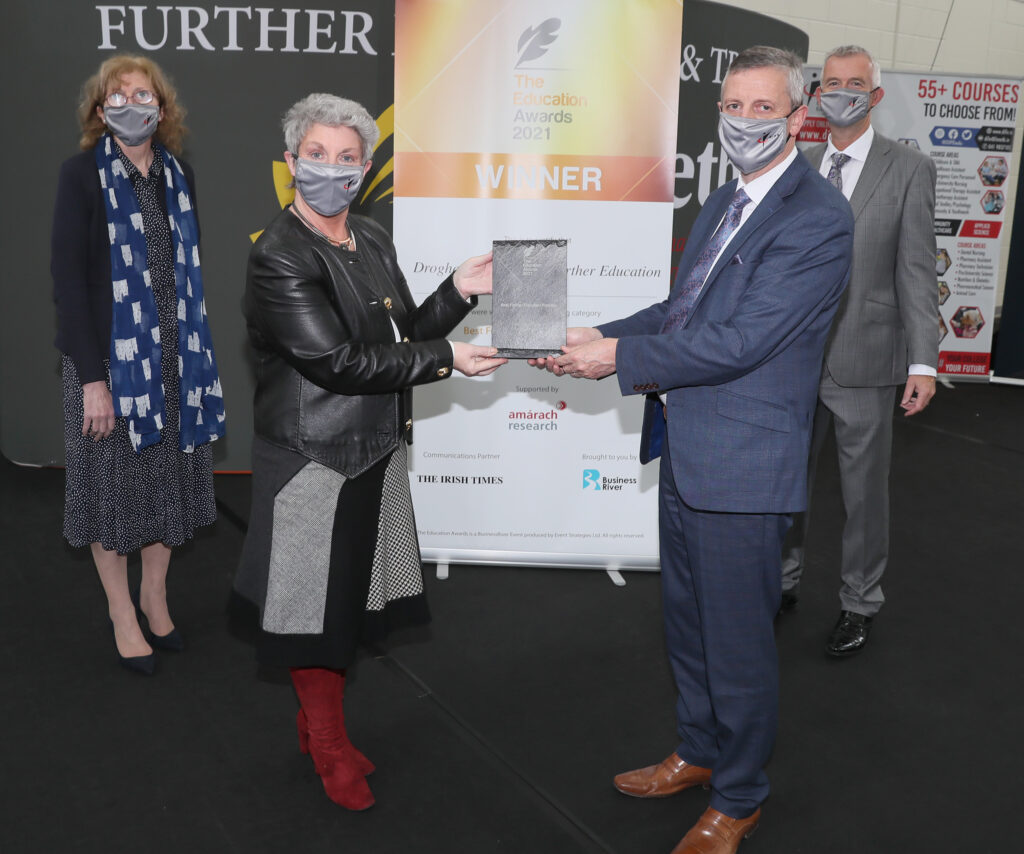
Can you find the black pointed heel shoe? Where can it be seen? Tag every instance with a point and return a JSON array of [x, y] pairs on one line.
[[144, 665], [170, 642], [173, 641]]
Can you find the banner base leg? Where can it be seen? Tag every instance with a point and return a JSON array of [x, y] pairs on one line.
[[442, 572], [616, 577]]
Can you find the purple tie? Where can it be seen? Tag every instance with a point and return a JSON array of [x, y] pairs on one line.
[[835, 171], [682, 300]]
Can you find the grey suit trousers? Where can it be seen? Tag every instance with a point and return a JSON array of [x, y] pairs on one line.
[[888, 321], [862, 420]]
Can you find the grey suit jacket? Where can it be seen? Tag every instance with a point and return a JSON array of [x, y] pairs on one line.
[[888, 319]]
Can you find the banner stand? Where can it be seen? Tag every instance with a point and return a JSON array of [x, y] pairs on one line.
[[966, 124], [533, 120]]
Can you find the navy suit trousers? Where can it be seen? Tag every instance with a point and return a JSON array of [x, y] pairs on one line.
[[721, 586]]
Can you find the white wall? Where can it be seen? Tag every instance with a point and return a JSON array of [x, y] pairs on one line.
[[949, 36], [967, 36]]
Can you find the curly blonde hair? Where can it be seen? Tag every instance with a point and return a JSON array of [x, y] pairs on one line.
[[171, 130]]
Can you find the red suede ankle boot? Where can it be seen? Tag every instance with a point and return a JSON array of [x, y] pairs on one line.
[[302, 725], [320, 693], [366, 767]]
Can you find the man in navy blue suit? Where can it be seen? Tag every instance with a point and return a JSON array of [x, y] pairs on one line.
[[730, 364]]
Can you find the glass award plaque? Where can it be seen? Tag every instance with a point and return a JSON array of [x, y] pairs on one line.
[[528, 305]]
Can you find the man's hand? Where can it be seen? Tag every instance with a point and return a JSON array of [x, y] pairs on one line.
[[591, 361], [575, 336], [919, 391]]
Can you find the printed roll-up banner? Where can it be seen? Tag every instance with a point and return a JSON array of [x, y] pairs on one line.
[[966, 125], [536, 120]]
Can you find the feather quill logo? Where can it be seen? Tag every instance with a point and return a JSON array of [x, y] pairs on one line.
[[534, 41]]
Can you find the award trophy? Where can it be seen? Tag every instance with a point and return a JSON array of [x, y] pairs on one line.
[[528, 307]]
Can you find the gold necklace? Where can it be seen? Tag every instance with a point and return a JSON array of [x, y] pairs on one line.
[[349, 242]]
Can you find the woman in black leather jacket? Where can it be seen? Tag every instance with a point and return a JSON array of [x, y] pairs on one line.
[[331, 553]]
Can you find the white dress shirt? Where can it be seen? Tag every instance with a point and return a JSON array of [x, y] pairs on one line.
[[857, 151]]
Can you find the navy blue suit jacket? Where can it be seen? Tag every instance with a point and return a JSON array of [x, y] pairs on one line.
[[742, 374]]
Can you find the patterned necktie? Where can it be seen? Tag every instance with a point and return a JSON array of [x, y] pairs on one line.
[[835, 171], [685, 296]]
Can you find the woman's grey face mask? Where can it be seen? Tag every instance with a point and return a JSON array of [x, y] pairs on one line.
[[327, 188], [133, 124]]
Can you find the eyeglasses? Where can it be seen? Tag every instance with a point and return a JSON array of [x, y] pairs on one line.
[[140, 96]]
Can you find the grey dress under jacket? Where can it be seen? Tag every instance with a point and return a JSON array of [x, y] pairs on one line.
[[331, 557]]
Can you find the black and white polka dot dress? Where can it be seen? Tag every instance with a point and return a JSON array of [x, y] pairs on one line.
[[114, 496]]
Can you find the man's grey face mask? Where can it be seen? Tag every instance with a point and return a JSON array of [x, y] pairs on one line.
[[133, 124], [751, 144], [327, 188], [845, 107]]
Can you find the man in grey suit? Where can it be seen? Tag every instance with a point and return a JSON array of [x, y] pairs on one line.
[[885, 334]]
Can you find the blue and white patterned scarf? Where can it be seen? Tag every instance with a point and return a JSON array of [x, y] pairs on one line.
[[135, 378]]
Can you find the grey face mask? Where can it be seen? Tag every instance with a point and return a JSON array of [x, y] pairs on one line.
[[327, 188], [133, 124], [845, 107], [751, 144]]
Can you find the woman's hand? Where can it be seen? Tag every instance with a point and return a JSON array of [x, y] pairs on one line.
[[474, 360], [98, 411], [474, 276]]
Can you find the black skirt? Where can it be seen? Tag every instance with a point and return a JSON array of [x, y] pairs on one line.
[[329, 562]]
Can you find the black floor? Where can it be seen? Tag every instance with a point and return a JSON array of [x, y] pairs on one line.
[[500, 728]]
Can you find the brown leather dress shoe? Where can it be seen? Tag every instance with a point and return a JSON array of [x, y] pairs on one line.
[[669, 776], [717, 833]]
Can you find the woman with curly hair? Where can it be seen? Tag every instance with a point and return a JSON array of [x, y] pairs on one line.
[[142, 399]]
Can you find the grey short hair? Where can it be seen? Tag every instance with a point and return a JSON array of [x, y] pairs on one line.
[[763, 56], [856, 50], [323, 109]]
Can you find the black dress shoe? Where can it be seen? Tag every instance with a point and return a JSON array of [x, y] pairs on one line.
[[788, 601], [849, 635]]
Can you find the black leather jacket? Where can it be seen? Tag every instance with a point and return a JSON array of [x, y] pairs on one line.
[[331, 381]]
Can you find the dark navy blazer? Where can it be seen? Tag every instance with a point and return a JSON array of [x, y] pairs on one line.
[[742, 374], [80, 264]]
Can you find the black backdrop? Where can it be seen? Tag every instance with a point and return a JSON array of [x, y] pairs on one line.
[[234, 98], [235, 93], [712, 35]]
